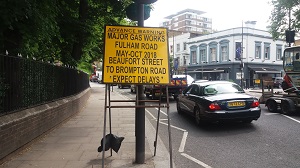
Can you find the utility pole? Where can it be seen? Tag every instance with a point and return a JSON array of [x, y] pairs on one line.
[[140, 112]]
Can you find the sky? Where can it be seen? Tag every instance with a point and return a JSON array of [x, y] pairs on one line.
[[225, 14]]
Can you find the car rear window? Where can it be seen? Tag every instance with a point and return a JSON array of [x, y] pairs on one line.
[[222, 88]]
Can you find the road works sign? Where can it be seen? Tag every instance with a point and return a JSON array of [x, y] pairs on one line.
[[136, 55]]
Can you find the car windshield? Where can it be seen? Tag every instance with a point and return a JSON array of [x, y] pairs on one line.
[[222, 88]]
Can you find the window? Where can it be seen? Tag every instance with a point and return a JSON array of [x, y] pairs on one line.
[[177, 47], [224, 55], [184, 60], [188, 22], [213, 54], [195, 90], [267, 51], [171, 48], [188, 16], [278, 52], [213, 51], [188, 28], [224, 45], [205, 25], [257, 49], [194, 57], [184, 46], [203, 55], [175, 24]]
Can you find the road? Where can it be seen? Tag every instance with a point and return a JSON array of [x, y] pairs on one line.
[[271, 141]]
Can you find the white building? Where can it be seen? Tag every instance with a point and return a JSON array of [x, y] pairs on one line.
[[220, 55], [188, 20]]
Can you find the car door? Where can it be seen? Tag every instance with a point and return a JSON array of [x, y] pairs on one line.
[[183, 98], [191, 98]]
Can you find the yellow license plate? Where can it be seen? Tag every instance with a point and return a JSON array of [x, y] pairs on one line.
[[236, 104]]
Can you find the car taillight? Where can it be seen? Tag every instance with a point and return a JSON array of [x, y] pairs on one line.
[[214, 106], [255, 103]]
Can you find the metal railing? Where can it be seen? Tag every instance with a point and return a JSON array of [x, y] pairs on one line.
[[26, 83]]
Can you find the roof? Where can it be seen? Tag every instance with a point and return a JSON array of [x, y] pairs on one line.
[[184, 11]]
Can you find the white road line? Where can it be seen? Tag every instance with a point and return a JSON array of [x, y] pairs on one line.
[[291, 118], [153, 117], [183, 141], [180, 129], [162, 112], [271, 113], [195, 160]]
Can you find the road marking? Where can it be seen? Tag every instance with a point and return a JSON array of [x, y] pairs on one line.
[[162, 112], [183, 141], [195, 160], [271, 113], [291, 118]]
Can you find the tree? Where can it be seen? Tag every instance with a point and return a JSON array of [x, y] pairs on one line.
[[70, 31], [285, 15]]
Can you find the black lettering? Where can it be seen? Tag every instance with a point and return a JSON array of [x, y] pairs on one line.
[[117, 36]]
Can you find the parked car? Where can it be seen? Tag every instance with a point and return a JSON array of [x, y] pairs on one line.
[[200, 80], [209, 101], [121, 86], [278, 82]]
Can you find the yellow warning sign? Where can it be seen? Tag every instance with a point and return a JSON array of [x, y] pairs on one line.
[[137, 55]]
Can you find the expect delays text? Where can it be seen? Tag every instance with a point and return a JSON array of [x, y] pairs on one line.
[[135, 79]]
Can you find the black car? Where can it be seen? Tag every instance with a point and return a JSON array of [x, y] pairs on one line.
[[217, 101]]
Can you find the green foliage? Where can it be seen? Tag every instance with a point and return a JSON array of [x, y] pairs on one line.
[[280, 20], [68, 31]]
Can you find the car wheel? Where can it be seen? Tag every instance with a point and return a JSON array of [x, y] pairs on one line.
[[198, 119], [179, 110], [119, 86], [272, 106], [285, 108], [131, 90]]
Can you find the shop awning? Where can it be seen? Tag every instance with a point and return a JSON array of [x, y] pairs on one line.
[[208, 70], [262, 70]]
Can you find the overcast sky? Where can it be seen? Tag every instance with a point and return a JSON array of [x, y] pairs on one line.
[[225, 14]]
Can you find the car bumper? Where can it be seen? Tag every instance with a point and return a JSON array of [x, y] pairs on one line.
[[253, 114]]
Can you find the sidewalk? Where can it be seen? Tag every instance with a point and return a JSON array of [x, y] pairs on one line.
[[257, 92], [74, 143]]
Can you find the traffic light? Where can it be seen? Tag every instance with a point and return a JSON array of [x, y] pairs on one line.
[[290, 36], [132, 13]]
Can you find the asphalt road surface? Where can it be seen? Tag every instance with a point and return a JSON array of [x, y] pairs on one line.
[[271, 141]]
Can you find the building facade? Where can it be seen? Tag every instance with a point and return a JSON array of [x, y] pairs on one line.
[[242, 55], [188, 20]]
